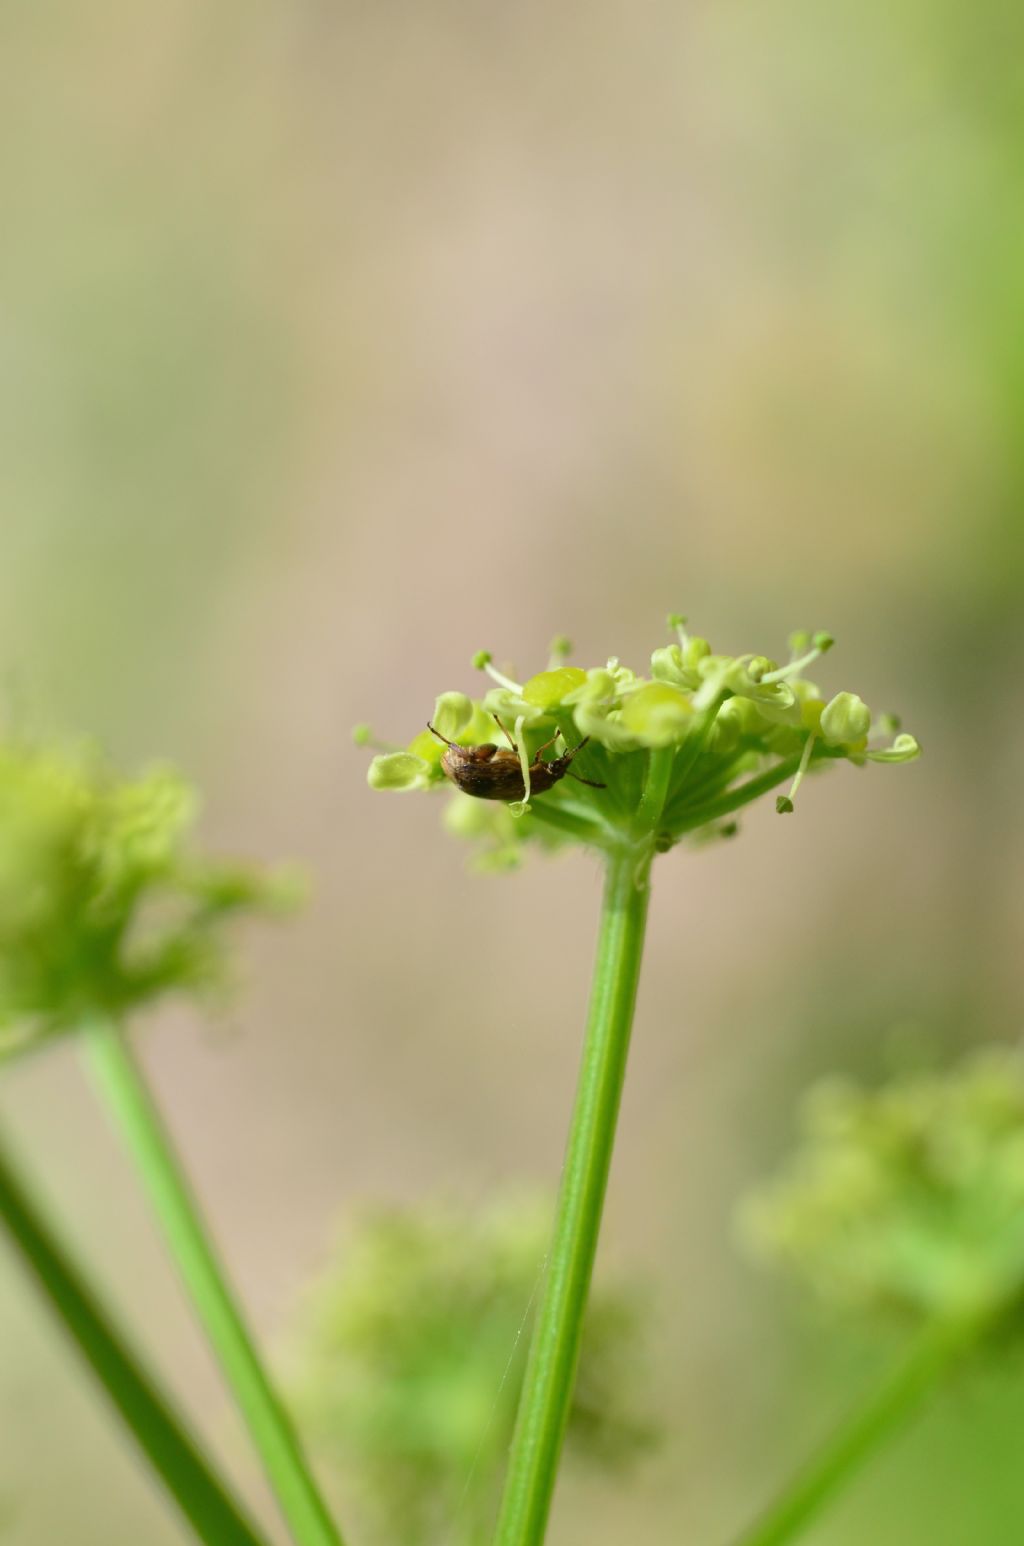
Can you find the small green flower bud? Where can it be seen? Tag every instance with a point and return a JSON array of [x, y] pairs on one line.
[[846, 720], [784, 805], [741, 717], [362, 735], [481, 660], [823, 642], [452, 713], [667, 666], [560, 648], [397, 770]]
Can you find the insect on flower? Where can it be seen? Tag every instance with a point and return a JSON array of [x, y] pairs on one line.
[[490, 772]]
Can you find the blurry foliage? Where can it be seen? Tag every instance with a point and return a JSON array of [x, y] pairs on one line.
[[104, 905], [905, 1202], [411, 1352]]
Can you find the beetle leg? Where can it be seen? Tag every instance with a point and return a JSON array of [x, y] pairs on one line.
[[554, 738], [579, 776]]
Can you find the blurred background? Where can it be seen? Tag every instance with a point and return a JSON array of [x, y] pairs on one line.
[[339, 342]]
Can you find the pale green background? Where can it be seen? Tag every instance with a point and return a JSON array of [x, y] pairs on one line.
[[339, 342]]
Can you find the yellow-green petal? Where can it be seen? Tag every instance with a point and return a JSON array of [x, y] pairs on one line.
[[549, 688], [397, 770]]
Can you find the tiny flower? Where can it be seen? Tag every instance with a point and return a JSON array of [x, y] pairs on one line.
[[657, 714], [398, 770], [846, 720]]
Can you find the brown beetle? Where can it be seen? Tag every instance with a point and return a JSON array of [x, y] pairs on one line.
[[490, 772]]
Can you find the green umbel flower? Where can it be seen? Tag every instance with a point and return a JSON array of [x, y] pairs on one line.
[[906, 1201], [103, 904], [411, 1352], [573, 747]]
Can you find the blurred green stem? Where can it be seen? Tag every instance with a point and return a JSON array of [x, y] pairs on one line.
[[123, 1087], [160, 1434], [554, 1349], [893, 1404]]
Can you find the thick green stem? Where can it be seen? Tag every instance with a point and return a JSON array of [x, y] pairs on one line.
[[892, 1405], [159, 1432], [123, 1086], [554, 1349]]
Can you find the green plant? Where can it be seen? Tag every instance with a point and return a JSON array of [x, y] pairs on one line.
[[668, 757], [902, 1207], [106, 905]]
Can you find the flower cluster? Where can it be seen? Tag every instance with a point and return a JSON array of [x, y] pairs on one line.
[[722, 729], [410, 1359], [102, 904], [907, 1201]]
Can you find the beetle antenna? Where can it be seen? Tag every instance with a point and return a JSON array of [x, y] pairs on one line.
[[440, 737], [505, 733]]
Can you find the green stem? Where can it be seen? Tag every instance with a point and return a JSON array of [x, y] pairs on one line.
[[554, 1349], [159, 1432], [652, 800], [123, 1086], [892, 1405]]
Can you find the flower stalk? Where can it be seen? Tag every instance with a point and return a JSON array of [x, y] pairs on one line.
[[554, 1350], [206, 1504], [122, 1086], [938, 1348], [656, 760]]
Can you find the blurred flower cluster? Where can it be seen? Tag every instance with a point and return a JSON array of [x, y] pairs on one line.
[[103, 904], [411, 1352], [734, 727], [905, 1202]]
